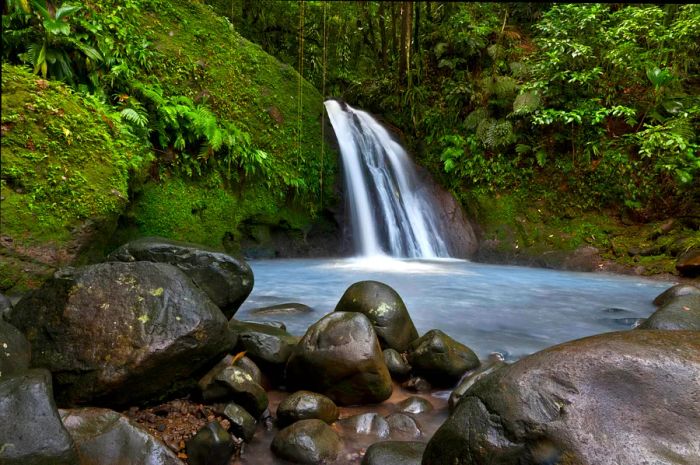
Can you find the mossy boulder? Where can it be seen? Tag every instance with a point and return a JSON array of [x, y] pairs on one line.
[[440, 359], [66, 163], [304, 405], [394, 453], [15, 352], [307, 441], [237, 385], [682, 312]]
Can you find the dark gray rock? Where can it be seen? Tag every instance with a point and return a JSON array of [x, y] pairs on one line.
[[274, 324], [304, 405], [396, 363], [440, 359], [268, 346], [675, 291], [366, 424], [31, 432], [105, 437], [415, 405], [403, 426], [340, 357], [118, 333], [629, 397], [252, 369], [417, 384], [235, 384], [679, 313], [243, 425], [688, 264], [291, 308], [5, 307], [226, 280], [307, 441], [212, 445], [384, 308], [471, 378], [394, 453], [15, 352]]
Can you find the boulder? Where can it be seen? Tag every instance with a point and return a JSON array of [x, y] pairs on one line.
[[307, 441], [105, 437], [403, 426], [471, 378], [304, 405], [252, 369], [15, 352], [415, 405], [366, 424], [5, 307], [267, 346], [226, 280], [237, 385], [688, 264], [618, 398], [440, 359], [340, 357], [212, 445], [291, 308], [394, 453], [396, 363], [679, 313], [384, 308], [119, 333], [675, 291], [31, 432], [243, 425]]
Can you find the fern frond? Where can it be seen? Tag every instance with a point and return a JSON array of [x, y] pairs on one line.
[[134, 117]]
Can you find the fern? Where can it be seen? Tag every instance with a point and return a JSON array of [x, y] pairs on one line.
[[475, 118], [134, 117], [526, 103]]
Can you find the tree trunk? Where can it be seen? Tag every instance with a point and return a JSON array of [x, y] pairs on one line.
[[416, 29], [382, 33], [393, 30], [406, 33]]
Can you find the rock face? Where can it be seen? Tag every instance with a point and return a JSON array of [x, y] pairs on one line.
[[307, 441], [226, 280], [31, 432], [115, 333], [339, 356], [305, 405], [627, 397], [679, 313], [384, 308], [105, 437], [394, 453], [440, 359], [15, 352]]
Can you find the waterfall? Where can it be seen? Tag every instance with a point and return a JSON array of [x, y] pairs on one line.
[[391, 212]]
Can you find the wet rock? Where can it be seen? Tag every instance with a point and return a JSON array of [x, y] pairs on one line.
[[105, 437], [31, 432], [688, 264], [5, 307], [274, 324], [384, 308], [414, 404], [403, 426], [307, 441], [212, 445], [417, 384], [440, 359], [119, 333], [679, 313], [394, 453], [675, 291], [367, 424], [291, 308], [248, 365], [268, 346], [226, 280], [396, 363], [304, 405], [626, 397], [340, 357], [243, 425], [235, 384], [15, 352], [471, 378]]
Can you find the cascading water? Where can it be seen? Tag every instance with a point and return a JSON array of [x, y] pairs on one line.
[[390, 211]]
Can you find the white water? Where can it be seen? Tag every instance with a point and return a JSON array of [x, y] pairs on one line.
[[390, 213]]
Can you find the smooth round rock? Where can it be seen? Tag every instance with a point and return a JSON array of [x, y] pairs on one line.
[[121, 333], [384, 308], [340, 357], [104, 436], [675, 291], [5, 307], [471, 378], [15, 352], [629, 397], [31, 432], [243, 425], [264, 344], [688, 264], [677, 314], [291, 308], [440, 359], [403, 426], [212, 445], [307, 441], [225, 279], [235, 384], [304, 405], [367, 424], [396, 363], [394, 453], [415, 405], [252, 369]]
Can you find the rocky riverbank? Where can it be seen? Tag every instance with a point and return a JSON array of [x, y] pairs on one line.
[[145, 347]]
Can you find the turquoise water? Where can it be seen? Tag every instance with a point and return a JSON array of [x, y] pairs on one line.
[[511, 310]]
